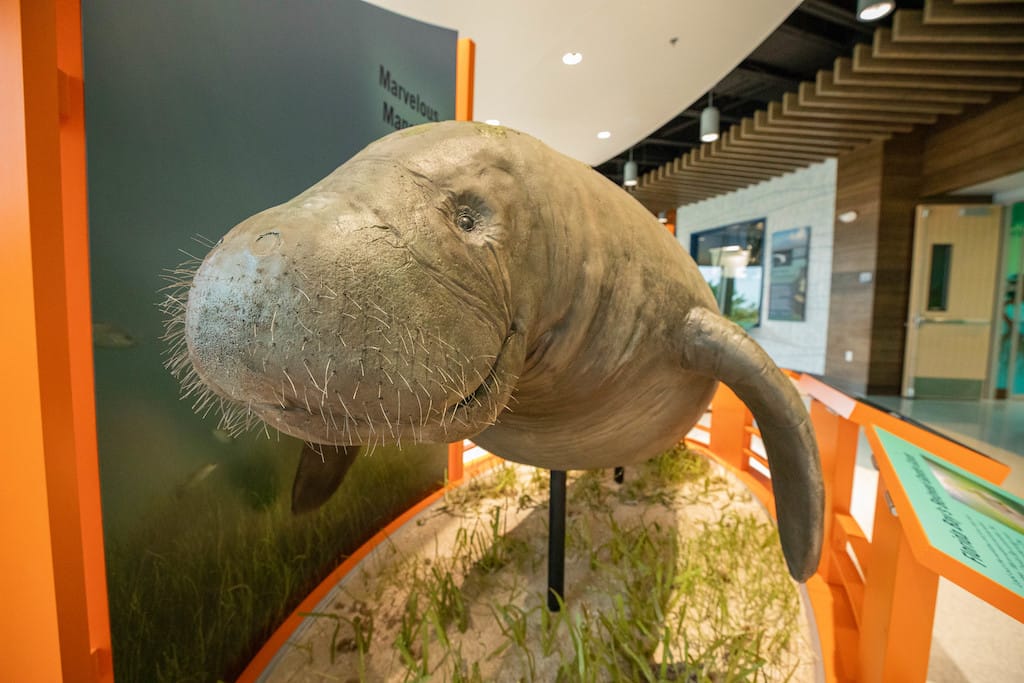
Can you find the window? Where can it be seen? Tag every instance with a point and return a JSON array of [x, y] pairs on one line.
[[730, 259], [938, 278]]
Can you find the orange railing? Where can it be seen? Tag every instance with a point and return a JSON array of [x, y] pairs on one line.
[[457, 474], [873, 600]]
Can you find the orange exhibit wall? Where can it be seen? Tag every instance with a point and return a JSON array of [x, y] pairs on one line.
[[52, 569]]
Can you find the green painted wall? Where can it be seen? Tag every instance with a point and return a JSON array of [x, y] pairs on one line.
[[1012, 250]]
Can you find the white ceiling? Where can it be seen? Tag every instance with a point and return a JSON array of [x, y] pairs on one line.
[[1009, 188], [632, 79]]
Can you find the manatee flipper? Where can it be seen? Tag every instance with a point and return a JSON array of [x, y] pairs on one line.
[[718, 348], [320, 471]]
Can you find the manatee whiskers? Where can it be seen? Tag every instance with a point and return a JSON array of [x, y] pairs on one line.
[[408, 350], [305, 340], [391, 427], [203, 240], [309, 372], [374, 317], [354, 302], [235, 417], [327, 369], [295, 392]]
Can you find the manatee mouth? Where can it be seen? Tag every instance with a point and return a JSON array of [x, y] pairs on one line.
[[462, 418], [490, 384], [426, 407]]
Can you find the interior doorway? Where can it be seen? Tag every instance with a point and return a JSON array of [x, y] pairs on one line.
[[950, 321]]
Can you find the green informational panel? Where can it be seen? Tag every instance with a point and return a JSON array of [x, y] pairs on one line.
[[787, 293], [730, 259], [200, 113], [963, 516]]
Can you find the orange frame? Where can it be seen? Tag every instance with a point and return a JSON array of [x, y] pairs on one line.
[[52, 566], [874, 623], [465, 73]]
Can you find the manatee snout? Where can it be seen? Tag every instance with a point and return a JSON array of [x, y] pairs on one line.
[[232, 303], [328, 328]]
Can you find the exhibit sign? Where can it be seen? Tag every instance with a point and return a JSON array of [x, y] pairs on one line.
[[963, 516], [729, 258], [787, 291]]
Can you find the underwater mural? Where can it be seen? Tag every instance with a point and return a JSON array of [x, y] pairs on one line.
[[198, 114]]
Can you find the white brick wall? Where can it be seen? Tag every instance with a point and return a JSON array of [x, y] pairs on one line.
[[803, 198]]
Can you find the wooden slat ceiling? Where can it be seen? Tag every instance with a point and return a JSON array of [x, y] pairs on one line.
[[931, 63]]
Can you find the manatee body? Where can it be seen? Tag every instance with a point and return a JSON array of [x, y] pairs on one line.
[[457, 280]]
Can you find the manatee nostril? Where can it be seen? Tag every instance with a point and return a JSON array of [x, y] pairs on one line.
[[267, 242]]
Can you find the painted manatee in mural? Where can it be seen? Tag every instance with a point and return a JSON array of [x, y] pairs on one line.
[[458, 280]]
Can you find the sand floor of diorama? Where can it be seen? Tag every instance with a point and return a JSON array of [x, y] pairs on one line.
[[507, 604]]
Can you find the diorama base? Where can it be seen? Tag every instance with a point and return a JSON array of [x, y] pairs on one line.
[[674, 574]]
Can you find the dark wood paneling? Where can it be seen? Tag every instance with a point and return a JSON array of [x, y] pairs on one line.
[[901, 190], [848, 323], [976, 149], [854, 251], [871, 264]]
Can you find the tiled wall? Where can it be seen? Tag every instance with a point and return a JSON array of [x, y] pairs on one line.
[[802, 198]]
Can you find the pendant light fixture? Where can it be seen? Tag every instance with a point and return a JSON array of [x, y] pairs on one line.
[[709, 121], [873, 10], [629, 171]]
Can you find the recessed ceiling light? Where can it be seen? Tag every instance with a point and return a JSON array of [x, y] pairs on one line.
[[847, 216], [604, 135], [493, 122], [572, 58]]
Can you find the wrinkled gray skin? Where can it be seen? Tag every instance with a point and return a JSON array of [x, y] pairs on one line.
[[456, 280]]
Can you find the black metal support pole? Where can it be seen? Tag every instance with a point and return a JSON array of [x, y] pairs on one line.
[[620, 475], [556, 541]]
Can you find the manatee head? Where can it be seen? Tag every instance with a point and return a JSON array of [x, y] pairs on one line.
[[387, 302]]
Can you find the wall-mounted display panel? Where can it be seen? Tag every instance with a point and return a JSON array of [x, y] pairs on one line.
[[198, 115]]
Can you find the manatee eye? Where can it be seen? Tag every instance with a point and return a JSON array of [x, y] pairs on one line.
[[466, 220]]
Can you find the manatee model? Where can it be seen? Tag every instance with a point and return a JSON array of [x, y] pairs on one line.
[[459, 280]]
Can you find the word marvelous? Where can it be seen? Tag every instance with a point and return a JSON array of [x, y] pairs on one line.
[[411, 99]]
